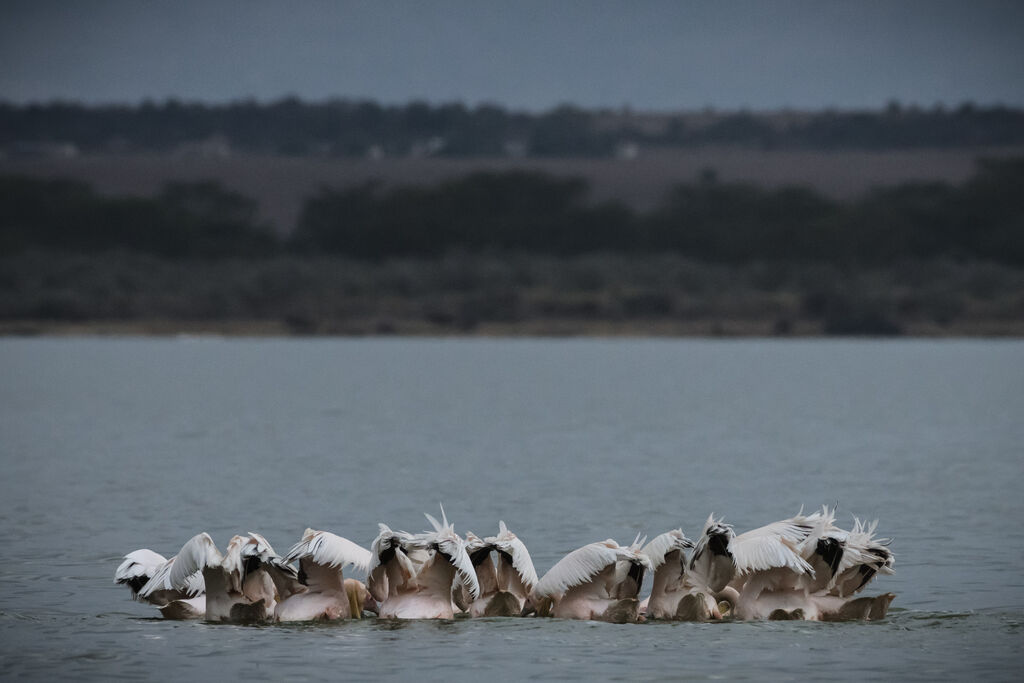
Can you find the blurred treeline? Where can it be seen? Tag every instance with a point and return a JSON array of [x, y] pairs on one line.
[[185, 220], [706, 221], [526, 211], [357, 128]]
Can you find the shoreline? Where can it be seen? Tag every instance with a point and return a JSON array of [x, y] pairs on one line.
[[538, 328]]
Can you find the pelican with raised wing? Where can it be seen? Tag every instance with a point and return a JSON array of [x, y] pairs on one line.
[[413, 575], [328, 595], [836, 564], [771, 571], [790, 569], [140, 566], [845, 563], [479, 552], [600, 581], [242, 585], [670, 588], [391, 571], [505, 574]]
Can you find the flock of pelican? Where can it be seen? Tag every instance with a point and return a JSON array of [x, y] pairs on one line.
[[804, 567]]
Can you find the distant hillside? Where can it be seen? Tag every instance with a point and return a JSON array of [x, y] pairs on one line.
[[511, 251]]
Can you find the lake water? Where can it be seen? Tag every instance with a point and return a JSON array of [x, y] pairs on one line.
[[108, 445]]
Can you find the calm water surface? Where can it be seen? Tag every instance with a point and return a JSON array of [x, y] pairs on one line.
[[108, 445]]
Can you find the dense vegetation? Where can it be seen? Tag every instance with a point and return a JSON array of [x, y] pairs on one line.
[[185, 220], [358, 128], [707, 221]]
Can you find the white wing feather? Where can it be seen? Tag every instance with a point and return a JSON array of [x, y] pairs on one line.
[[761, 553], [475, 543], [708, 569], [138, 564], [863, 557], [509, 543], [387, 539], [578, 567], [379, 545], [662, 545], [454, 548], [712, 528], [795, 530], [773, 546], [863, 540], [179, 572], [256, 546], [329, 550]]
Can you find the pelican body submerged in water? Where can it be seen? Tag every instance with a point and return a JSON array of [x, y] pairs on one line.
[[328, 595], [600, 581]]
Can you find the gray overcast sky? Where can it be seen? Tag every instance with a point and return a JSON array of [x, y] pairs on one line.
[[649, 54]]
